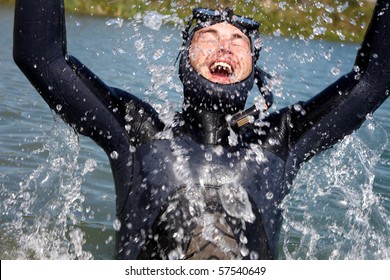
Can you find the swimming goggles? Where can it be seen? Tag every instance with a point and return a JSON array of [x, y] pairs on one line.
[[206, 17]]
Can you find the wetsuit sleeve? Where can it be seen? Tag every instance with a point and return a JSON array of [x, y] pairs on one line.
[[342, 107], [69, 87]]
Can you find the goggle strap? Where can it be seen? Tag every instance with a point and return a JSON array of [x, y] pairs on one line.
[[260, 77], [185, 34], [229, 14]]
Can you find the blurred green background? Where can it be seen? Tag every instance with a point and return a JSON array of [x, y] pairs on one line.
[[336, 20]]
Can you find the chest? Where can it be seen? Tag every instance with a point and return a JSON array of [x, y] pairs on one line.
[[172, 164]]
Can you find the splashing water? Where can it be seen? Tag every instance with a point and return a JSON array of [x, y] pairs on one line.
[[333, 211], [153, 20], [45, 211], [48, 206]]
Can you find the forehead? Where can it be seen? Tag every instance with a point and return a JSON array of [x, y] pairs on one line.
[[222, 29]]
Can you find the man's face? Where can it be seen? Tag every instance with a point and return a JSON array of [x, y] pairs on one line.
[[221, 53]]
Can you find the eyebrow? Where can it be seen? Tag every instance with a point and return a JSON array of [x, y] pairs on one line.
[[208, 30], [215, 32]]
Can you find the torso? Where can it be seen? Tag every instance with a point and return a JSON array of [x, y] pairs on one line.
[[244, 184]]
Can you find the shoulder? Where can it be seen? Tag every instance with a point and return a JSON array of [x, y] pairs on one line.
[[140, 118], [271, 132]]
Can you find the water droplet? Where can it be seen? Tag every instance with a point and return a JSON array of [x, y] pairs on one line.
[[121, 51], [90, 166], [277, 33], [233, 138], [341, 35], [254, 255], [272, 141], [218, 150], [153, 20], [269, 195], [175, 254], [258, 43], [59, 107], [26, 196], [328, 54], [128, 118], [118, 22], [329, 9], [158, 53], [114, 155], [244, 251], [208, 156], [335, 71], [341, 8], [109, 240], [297, 107], [243, 239], [282, 5], [235, 201], [116, 225], [179, 235], [356, 68], [139, 44], [320, 30]]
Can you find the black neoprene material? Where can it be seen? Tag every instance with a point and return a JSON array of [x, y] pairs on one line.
[[157, 163]]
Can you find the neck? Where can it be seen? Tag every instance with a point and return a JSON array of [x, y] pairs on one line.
[[207, 127]]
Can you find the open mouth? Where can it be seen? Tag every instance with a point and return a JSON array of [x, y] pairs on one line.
[[221, 69]]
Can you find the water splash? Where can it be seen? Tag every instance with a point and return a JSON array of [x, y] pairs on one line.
[[73, 238], [158, 58], [153, 20], [44, 213], [117, 22], [235, 201], [333, 211]]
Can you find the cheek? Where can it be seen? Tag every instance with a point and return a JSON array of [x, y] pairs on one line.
[[200, 52], [193, 58], [246, 60], [195, 54], [198, 56]]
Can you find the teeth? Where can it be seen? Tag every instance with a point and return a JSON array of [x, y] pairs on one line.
[[221, 66]]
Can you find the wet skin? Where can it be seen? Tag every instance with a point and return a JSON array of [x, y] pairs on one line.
[[221, 53]]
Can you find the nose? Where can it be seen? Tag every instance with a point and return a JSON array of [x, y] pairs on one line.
[[224, 45]]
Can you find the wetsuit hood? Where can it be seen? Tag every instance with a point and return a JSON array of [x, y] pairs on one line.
[[202, 94]]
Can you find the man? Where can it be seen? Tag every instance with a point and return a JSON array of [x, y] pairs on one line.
[[209, 184]]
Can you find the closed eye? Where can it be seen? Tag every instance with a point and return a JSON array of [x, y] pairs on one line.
[[239, 40], [208, 36]]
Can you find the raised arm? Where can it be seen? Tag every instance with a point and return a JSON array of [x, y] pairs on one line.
[[342, 107], [113, 118], [40, 52], [72, 90]]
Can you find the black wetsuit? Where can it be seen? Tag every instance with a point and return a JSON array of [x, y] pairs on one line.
[[168, 177]]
